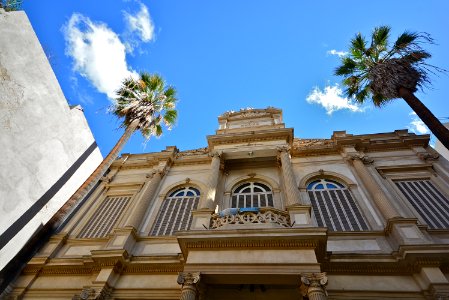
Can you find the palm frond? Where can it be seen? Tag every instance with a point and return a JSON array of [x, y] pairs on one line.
[[405, 39], [380, 36], [147, 100], [348, 67], [380, 70], [379, 42], [363, 94], [358, 44], [170, 117]]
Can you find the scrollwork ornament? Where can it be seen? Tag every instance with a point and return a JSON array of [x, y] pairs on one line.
[[185, 278], [366, 160], [313, 282], [425, 156], [281, 149], [215, 154]]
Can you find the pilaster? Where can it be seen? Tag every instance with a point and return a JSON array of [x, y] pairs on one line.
[[209, 201], [149, 190], [299, 213], [291, 187], [375, 191]]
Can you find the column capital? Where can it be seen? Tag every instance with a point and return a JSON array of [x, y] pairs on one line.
[[160, 171], [313, 285], [425, 156], [314, 279], [365, 159], [281, 149], [185, 278], [216, 153]]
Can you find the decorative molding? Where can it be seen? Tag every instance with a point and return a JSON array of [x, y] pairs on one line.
[[267, 216], [384, 170], [247, 243], [216, 153], [366, 160], [185, 278], [144, 268], [425, 156], [368, 268]]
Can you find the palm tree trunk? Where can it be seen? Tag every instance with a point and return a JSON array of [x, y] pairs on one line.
[[92, 180], [435, 126]]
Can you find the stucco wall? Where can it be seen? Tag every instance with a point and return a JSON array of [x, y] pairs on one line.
[[41, 137]]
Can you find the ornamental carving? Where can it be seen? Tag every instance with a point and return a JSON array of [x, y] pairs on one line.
[[215, 154], [425, 156], [366, 160], [312, 143], [265, 217], [89, 293], [194, 152], [185, 278], [313, 283]]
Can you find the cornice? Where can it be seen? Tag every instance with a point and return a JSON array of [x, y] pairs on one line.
[[287, 238], [402, 262], [384, 170], [139, 268], [251, 136], [368, 268]]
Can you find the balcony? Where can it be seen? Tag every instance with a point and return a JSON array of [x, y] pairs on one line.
[[244, 218]]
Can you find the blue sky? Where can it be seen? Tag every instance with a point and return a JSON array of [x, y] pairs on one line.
[[227, 55]]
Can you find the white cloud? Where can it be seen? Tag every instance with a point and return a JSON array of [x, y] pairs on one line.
[[140, 28], [416, 125], [98, 53], [332, 99], [338, 53]]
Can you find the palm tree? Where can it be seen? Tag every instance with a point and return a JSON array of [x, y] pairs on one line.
[[145, 104], [385, 72]]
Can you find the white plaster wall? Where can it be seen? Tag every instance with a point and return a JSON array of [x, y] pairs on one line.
[[40, 135]]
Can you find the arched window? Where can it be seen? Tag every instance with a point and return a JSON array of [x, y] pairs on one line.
[[334, 206], [175, 213], [252, 194]]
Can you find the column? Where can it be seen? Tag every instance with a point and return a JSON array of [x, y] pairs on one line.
[[141, 206], [189, 282], [375, 191], [313, 286], [209, 200], [291, 189]]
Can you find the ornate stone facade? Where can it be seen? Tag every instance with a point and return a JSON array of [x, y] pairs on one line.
[[258, 214]]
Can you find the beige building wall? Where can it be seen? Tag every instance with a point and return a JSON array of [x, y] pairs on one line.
[[362, 238]]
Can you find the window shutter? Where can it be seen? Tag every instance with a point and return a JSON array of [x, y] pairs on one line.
[[105, 217], [334, 207], [427, 200], [175, 213]]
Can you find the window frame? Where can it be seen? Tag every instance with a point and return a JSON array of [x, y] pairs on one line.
[[362, 221], [171, 197], [252, 184]]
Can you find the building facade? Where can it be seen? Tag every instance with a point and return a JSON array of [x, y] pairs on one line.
[[258, 214], [48, 150]]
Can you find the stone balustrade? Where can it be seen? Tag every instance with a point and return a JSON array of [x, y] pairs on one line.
[[266, 215]]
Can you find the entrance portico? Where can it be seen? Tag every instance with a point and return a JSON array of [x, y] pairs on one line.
[[260, 263]]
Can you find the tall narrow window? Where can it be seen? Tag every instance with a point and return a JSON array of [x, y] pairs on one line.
[[175, 213], [105, 217], [252, 194], [334, 206], [427, 200]]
